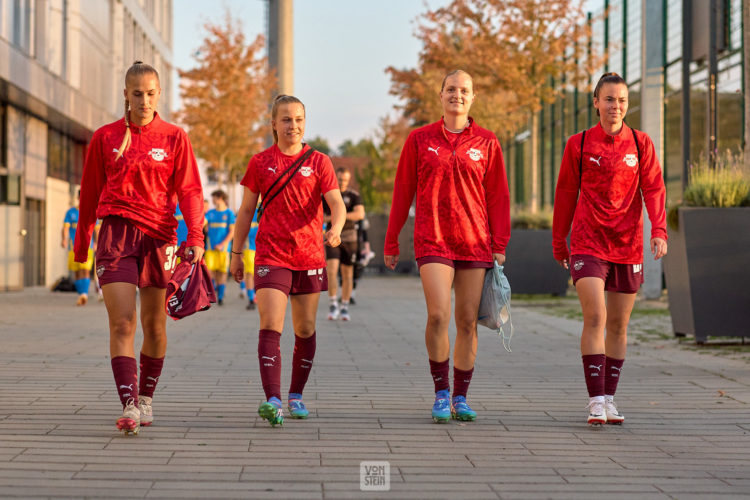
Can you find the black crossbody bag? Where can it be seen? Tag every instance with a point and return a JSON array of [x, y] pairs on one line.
[[293, 168]]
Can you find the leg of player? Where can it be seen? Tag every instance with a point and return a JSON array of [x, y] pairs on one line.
[[154, 324], [436, 283], [619, 307], [250, 290], [220, 277], [347, 282], [271, 309], [82, 283], [119, 299], [591, 295], [304, 310], [332, 269], [468, 285]]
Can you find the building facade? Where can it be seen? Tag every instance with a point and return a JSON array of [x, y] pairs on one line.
[[62, 64]]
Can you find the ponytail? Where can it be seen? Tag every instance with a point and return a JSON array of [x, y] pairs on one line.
[[137, 69]]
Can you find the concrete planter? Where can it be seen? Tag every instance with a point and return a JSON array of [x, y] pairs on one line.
[[708, 273], [530, 266]]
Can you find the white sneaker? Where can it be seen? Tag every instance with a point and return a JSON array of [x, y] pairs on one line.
[[333, 312], [130, 421], [147, 413], [345, 314], [613, 416], [597, 414]]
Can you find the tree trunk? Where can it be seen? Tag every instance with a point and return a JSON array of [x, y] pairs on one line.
[[534, 205], [746, 54]]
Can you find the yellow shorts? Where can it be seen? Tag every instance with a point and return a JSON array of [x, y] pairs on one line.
[[216, 260], [80, 266], [248, 258]]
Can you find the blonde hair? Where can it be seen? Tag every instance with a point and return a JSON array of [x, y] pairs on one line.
[[137, 69], [457, 72], [282, 99]]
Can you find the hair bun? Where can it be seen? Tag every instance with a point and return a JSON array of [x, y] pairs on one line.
[[137, 62]]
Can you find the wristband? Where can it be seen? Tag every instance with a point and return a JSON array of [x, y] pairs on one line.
[[236, 253]]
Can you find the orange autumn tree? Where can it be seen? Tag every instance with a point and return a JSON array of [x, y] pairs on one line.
[[225, 99], [518, 52]]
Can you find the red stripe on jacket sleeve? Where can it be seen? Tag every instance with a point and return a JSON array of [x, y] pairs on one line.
[[566, 197], [498, 199], [404, 189], [187, 185], [92, 183]]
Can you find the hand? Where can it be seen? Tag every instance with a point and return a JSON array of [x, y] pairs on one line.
[[195, 254], [499, 258], [564, 263], [658, 248], [63, 243], [237, 268], [220, 247], [390, 261], [332, 238]]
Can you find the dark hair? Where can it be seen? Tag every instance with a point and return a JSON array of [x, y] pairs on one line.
[[456, 72], [341, 170], [219, 193], [278, 101], [137, 69], [608, 78]]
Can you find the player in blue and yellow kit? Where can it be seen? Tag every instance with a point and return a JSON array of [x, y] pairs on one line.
[[220, 222], [248, 258], [182, 230], [80, 270]]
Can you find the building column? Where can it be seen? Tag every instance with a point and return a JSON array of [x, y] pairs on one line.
[[281, 43], [652, 120]]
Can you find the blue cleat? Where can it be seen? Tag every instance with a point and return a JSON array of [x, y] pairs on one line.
[[271, 410], [441, 410], [297, 407], [460, 410]]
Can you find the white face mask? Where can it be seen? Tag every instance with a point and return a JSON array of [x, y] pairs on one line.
[[494, 308]]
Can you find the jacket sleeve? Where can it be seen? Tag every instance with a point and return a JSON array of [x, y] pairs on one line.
[[92, 184], [653, 189], [187, 184], [497, 198], [404, 188], [566, 197]]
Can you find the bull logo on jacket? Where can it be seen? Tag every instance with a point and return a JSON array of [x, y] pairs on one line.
[[157, 154], [475, 154], [305, 171], [630, 160]]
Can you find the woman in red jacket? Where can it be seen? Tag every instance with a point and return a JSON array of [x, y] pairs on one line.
[[615, 169], [136, 171], [290, 178], [455, 168]]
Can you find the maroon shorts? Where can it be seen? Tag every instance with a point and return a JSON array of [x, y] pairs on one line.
[[621, 278], [455, 264], [291, 282], [125, 254]]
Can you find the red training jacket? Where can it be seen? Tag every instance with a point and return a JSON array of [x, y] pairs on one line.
[[463, 205], [607, 217], [144, 185]]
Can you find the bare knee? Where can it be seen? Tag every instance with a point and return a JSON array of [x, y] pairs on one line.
[[595, 319], [122, 327], [438, 320], [617, 327]]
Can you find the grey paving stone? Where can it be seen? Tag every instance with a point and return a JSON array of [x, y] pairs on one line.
[[370, 395]]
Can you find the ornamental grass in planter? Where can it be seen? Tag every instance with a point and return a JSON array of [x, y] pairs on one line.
[[708, 265]]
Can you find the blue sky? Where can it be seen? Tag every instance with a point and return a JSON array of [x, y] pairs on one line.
[[342, 48]]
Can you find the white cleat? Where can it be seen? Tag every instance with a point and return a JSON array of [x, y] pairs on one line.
[[147, 413], [333, 312], [614, 417], [597, 414], [130, 421]]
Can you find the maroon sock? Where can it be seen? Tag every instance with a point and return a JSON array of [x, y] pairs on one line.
[[269, 359], [439, 371], [594, 370], [461, 381], [150, 373], [613, 371], [125, 370], [302, 360]]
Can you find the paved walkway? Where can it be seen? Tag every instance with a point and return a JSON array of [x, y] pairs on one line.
[[687, 433]]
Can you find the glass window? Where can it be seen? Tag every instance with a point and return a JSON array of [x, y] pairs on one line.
[[615, 37], [735, 24], [23, 22], [674, 30], [672, 161], [10, 189], [633, 44], [729, 99]]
